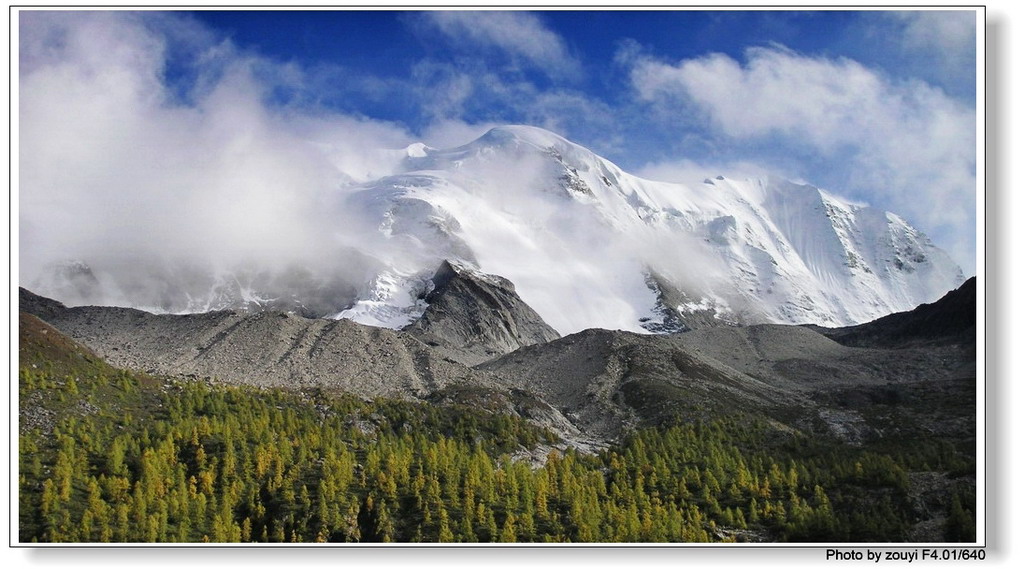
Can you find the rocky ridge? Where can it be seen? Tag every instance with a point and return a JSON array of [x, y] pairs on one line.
[[474, 317], [595, 383], [267, 348]]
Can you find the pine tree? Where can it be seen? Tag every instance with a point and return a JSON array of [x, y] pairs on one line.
[[508, 530], [444, 532]]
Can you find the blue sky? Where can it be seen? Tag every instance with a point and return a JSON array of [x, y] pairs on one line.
[[876, 106]]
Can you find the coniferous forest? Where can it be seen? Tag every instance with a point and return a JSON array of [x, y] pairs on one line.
[[107, 455]]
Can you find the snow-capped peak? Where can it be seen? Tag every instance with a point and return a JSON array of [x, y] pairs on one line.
[[580, 238], [417, 150], [584, 243]]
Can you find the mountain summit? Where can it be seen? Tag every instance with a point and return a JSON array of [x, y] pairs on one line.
[[586, 245]]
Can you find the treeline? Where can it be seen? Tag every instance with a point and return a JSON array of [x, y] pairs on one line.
[[130, 459]]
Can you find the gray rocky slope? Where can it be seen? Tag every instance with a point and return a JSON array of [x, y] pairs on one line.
[[266, 349], [474, 318], [470, 318], [597, 382], [605, 381]]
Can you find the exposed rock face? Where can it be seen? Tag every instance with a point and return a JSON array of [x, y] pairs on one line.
[[678, 312], [509, 401], [474, 317], [39, 306]]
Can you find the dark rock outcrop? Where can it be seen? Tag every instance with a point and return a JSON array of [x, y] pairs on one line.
[[39, 306], [949, 320], [474, 317]]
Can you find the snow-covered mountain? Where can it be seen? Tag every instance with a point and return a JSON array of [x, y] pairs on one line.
[[588, 245]]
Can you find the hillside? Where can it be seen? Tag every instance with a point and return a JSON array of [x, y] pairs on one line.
[[264, 348], [596, 383], [109, 455]]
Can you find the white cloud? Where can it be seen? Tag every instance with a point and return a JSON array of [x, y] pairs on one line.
[[939, 46], [115, 170], [449, 133], [475, 95], [945, 32], [905, 146], [692, 172], [520, 34], [442, 90]]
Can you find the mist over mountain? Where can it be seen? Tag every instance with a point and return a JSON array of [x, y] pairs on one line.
[[583, 243]]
